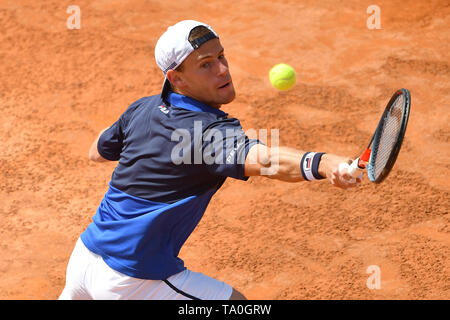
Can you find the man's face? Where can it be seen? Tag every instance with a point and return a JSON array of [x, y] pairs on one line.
[[205, 75]]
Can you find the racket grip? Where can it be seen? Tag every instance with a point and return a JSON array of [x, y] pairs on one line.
[[353, 169]]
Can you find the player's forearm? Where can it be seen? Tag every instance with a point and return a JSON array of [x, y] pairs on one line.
[[285, 164], [282, 163], [289, 162]]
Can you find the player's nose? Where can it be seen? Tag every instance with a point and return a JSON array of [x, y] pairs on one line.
[[223, 69]]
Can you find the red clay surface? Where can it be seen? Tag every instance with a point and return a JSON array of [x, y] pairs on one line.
[[268, 239]]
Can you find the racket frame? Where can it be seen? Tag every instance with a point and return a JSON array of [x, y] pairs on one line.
[[399, 139], [367, 159]]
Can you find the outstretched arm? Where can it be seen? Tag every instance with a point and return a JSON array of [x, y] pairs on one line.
[[283, 163]]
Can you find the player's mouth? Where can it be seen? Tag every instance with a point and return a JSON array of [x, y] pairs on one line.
[[226, 85]]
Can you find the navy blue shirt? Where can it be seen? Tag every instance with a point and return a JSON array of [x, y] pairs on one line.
[[174, 153]]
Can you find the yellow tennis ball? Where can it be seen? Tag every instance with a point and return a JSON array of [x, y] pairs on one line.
[[282, 76]]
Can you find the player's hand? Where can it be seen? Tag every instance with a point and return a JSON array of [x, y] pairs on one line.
[[329, 168]]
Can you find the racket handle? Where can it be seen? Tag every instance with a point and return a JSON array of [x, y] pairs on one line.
[[356, 168], [353, 169]]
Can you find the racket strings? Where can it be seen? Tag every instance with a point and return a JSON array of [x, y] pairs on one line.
[[388, 136]]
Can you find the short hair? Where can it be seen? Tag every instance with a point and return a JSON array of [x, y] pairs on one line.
[[195, 34]]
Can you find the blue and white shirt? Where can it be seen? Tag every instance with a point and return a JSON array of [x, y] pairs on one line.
[[174, 153]]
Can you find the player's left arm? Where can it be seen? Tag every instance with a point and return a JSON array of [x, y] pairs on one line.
[[93, 152]]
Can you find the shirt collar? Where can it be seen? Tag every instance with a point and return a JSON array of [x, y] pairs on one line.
[[191, 104]]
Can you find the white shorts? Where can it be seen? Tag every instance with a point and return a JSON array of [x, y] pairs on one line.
[[89, 277]]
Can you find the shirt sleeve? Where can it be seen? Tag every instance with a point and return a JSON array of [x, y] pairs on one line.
[[110, 143], [225, 148]]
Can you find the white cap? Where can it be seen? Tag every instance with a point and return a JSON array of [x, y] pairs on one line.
[[173, 46]]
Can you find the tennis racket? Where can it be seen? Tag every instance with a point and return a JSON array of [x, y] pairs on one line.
[[382, 151]]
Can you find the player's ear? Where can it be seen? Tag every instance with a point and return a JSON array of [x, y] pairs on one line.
[[175, 78]]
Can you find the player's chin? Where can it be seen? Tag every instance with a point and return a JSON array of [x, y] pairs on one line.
[[226, 94]]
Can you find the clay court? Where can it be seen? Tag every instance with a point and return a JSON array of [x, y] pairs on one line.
[[270, 240]]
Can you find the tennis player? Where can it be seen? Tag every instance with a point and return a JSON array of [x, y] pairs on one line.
[[174, 151]]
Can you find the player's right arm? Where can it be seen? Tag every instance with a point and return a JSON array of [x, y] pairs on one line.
[[283, 163], [94, 155], [108, 144]]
